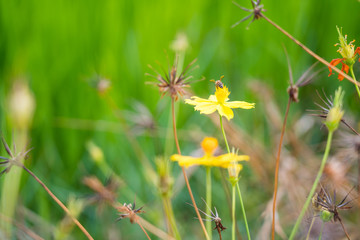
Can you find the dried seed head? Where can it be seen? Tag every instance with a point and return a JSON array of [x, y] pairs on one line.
[[103, 194], [173, 83], [293, 92], [129, 211]]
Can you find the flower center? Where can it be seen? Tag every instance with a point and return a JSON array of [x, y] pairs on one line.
[[222, 94], [209, 144]]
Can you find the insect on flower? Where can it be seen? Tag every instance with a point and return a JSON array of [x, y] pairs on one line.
[[213, 218], [326, 204], [218, 83]]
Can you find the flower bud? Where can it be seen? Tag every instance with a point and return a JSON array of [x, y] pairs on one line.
[[209, 145], [234, 170], [181, 43], [21, 105], [335, 113], [95, 152], [326, 216]]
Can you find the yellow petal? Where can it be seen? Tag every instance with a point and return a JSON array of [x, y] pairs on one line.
[[232, 157], [205, 106], [239, 104], [225, 111]]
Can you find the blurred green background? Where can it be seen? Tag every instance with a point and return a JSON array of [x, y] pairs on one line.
[[59, 47]]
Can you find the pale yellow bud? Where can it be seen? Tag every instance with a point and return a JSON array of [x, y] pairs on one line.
[[234, 170], [181, 43], [95, 152], [21, 105]]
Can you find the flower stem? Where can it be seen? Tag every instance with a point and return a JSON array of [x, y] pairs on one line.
[[353, 76], [183, 170], [243, 210], [11, 185], [277, 170], [312, 191], [170, 216], [223, 132], [233, 214], [311, 225], [208, 201], [321, 230], [59, 203], [317, 57], [144, 230]]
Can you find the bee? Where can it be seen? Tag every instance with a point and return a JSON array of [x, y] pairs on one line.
[[218, 83]]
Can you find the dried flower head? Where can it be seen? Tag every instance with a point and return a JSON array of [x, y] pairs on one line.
[[329, 208], [332, 111], [142, 119], [213, 218], [129, 211], [256, 11], [14, 159], [305, 78], [172, 82], [101, 84], [348, 53], [103, 194]]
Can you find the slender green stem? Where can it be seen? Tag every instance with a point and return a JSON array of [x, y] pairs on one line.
[[208, 201], [10, 187], [321, 230], [233, 214], [223, 132], [353, 76], [183, 170], [243, 210], [311, 225], [171, 218], [308, 200]]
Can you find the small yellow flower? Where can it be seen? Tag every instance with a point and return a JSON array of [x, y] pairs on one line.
[[209, 145], [218, 102], [348, 53]]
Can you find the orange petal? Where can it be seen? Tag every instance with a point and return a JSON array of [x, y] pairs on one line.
[[334, 62], [357, 51], [344, 68]]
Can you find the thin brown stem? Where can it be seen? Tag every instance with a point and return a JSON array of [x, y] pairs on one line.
[[219, 231], [183, 169], [144, 230], [320, 59], [59, 203], [277, 169], [347, 235]]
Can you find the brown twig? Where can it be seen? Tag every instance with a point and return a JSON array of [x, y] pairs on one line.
[[317, 57], [59, 203], [183, 169], [277, 170], [347, 235], [138, 222]]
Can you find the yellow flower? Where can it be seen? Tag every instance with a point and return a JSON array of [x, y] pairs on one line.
[[219, 102], [209, 145]]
